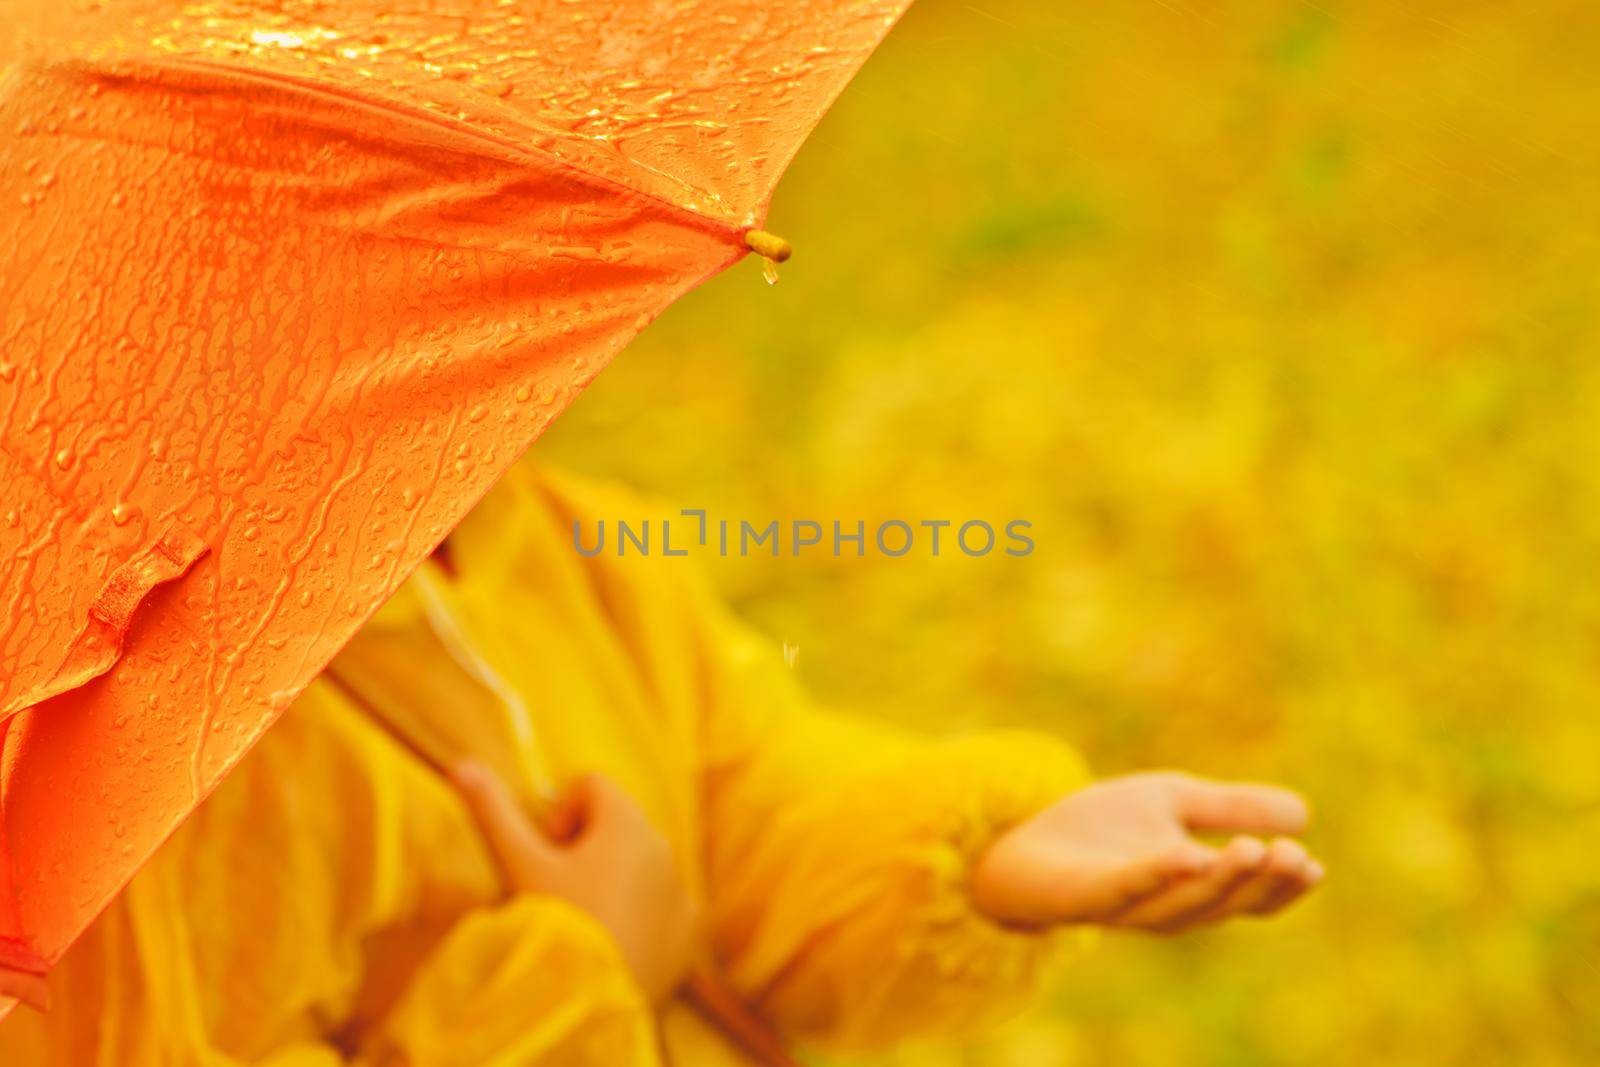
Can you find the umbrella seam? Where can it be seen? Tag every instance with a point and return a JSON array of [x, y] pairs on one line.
[[731, 233]]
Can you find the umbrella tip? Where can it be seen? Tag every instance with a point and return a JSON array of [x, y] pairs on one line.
[[767, 245]]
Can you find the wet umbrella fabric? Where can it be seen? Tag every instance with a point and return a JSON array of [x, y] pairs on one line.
[[286, 287]]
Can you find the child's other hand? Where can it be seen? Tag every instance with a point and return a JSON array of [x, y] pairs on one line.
[[606, 859], [1119, 853]]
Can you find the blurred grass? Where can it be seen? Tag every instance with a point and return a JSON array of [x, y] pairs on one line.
[[1277, 320]]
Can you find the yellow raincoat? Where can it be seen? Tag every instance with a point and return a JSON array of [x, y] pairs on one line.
[[333, 901]]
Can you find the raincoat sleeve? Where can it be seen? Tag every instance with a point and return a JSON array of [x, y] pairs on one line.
[[534, 981], [839, 851], [331, 904]]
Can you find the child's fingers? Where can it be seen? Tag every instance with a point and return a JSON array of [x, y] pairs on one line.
[[1281, 878], [602, 799], [566, 819], [1238, 861], [1289, 889], [512, 836], [1188, 857], [1242, 807], [1122, 890], [1046, 887]]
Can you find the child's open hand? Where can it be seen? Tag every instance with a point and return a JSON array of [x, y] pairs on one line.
[[1119, 853]]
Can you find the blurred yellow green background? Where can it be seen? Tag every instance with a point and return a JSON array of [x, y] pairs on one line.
[[1278, 321]]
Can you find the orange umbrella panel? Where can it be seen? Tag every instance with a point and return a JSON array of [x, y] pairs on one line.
[[287, 287]]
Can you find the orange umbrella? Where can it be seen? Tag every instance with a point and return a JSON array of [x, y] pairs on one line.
[[287, 285]]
